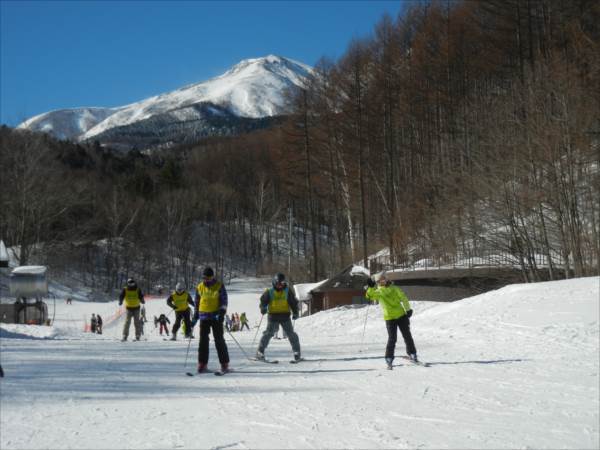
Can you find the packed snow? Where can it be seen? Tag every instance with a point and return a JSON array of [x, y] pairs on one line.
[[513, 368]]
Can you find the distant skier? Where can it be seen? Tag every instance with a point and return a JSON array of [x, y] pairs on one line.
[[93, 323], [244, 322], [98, 324], [396, 313], [210, 309], [133, 297], [179, 301], [279, 301], [163, 321]]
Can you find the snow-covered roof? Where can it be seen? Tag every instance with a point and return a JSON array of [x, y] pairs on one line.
[[303, 290], [30, 270]]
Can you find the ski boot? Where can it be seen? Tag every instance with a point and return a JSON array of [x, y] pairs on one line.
[[260, 356], [225, 368], [202, 367], [388, 362], [173, 337], [297, 357]]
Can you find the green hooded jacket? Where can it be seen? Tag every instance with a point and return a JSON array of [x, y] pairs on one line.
[[392, 299]]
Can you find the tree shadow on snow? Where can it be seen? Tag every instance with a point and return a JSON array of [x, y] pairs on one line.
[[307, 371], [348, 358], [491, 361]]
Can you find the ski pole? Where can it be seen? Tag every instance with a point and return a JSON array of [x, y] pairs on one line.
[[362, 340], [258, 328], [238, 344], [187, 354]]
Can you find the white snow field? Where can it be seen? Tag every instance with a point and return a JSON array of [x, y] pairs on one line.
[[513, 368]]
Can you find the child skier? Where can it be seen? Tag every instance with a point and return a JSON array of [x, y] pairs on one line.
[[179, 301]]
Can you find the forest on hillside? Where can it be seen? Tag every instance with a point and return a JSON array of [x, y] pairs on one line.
[[458, 130]]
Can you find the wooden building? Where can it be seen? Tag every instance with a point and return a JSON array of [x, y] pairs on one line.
[[345, 288]]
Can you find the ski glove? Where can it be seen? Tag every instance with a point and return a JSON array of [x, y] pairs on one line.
[[263, 311], [294, 316], [220, 316], [370, 282], [409, 313]]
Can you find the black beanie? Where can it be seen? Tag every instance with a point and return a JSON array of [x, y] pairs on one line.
[[208, 272]]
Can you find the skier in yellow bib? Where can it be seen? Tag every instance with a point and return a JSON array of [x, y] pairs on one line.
[[279, 301], [179, 301], [210, 308], [133, 297]]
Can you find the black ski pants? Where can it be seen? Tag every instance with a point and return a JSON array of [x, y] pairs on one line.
[[392, 328], [217, 329], [185, 316]]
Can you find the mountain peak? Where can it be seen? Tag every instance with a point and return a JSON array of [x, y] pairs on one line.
[[254, 88], [271, 63]]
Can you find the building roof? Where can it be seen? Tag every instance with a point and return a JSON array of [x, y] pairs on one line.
[[352, 277]]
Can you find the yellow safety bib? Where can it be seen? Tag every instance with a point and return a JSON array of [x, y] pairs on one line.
[[132, 298], [279, 303], [180, 301], [209, 297]]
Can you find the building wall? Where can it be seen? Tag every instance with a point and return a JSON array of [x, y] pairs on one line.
[[340, 297], [438, 293]]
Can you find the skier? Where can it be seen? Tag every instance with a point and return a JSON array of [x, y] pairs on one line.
[[133, 297], [235, 322], [93, 323], [227, 322], [396, 313], [163, 321], [244, 322], [210, 309], [278, 301], [98, 324], [179, 301]]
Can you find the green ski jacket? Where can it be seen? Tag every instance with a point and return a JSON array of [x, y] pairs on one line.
[[392, 299]]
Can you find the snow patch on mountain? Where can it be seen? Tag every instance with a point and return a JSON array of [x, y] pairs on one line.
[[68, 123]]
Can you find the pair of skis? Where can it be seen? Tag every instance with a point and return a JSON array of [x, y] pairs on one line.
[[220, 373], [416, 362], [276, 361]]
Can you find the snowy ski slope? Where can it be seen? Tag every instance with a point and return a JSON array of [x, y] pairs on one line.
[[513, 368]]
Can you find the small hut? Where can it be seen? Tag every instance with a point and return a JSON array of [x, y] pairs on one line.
[[345, 288], [29, 286]]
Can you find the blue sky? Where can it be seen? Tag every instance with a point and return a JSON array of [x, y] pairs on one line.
[[68, 54]]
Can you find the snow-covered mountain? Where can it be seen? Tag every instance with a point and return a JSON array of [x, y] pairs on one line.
[[253, 89]]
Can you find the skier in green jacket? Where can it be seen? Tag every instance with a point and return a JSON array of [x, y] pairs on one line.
[[396, 313]]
